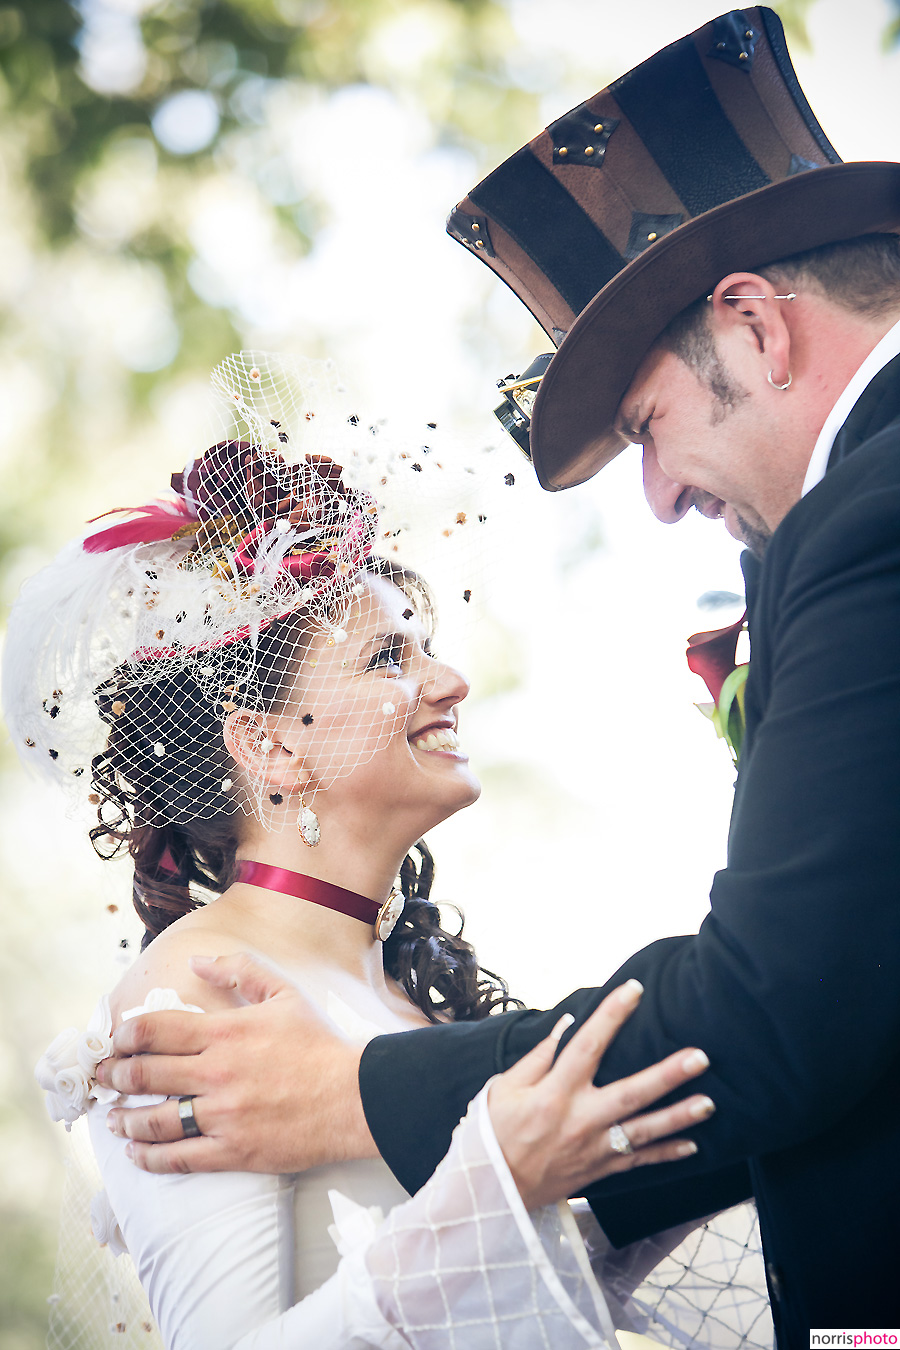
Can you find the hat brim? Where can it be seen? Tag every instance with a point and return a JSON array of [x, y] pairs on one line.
[[572, 434]]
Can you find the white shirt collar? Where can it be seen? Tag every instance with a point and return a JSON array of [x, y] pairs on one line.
[[878, 357]]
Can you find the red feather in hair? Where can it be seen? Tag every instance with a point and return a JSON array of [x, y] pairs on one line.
[[147, 525]]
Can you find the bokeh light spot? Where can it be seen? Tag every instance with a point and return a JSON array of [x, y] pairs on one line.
[[186, 122]]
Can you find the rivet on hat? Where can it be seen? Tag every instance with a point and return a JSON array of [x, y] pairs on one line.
[[588, 149], [651, 237], [562, 152], [475, 226], [743, 57], [720, 46], [749, 33], [479, 243], [598, 128]]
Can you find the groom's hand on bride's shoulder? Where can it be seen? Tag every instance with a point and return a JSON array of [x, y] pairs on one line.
[[274, 1087]]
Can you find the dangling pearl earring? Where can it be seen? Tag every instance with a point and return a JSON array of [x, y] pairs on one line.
[[308, 825], [786, 385]]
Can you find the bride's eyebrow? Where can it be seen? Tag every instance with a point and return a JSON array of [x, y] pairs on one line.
[[400, 639]]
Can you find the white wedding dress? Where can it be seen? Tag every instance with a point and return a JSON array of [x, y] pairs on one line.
[[340, 1258]]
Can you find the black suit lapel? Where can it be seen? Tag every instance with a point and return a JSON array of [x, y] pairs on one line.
[[876, 408], [751, 566]]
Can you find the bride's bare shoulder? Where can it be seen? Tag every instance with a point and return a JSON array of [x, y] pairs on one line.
[[165, 964]]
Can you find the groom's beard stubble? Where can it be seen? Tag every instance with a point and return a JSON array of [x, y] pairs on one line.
[[755, 535]]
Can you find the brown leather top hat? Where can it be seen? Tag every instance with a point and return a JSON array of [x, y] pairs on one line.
[[703, 160]]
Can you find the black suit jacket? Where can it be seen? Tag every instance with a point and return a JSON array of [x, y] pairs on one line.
[[792, 985]]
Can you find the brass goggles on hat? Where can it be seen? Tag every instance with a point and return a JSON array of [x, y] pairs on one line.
[[519, 393]]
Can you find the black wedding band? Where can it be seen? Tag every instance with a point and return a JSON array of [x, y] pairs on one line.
[[186, 1116]]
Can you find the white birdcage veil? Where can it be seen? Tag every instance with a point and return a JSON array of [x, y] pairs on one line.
[[126, 655]]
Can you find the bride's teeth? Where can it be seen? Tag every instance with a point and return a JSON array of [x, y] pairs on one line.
[[442, 739]]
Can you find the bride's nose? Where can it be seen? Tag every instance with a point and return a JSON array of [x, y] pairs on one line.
[[443, 684], [668, 500]]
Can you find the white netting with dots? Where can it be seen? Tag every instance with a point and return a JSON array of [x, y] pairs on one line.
[[251, 600], [97, 1300], [700, 1285]]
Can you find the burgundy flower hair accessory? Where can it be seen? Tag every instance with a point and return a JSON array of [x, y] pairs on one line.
[[258, 496], [235, 502], [713, 656]]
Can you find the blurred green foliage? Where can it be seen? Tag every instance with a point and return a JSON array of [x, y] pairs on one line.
[[78, 122], [892, 32], [27, 1254]]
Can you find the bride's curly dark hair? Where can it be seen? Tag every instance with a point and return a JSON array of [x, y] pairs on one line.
[[176, 865]]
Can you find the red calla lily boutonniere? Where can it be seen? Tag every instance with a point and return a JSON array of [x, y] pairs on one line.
[[712, 656]]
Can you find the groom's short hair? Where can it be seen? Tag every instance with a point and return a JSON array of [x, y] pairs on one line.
[[860, 275]]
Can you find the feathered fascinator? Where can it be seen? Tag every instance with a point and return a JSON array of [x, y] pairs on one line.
[[126, 655]]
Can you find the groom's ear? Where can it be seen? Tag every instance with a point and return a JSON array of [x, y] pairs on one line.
[[746, 301]]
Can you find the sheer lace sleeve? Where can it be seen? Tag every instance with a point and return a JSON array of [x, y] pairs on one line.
[[464, 1264]]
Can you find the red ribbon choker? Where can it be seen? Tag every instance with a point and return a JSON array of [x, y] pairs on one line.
[[382, 917]]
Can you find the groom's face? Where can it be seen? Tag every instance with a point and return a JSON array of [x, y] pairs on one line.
[[702, 448], [722, 438]]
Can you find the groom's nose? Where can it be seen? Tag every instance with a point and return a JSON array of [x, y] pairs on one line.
[[669, 500]]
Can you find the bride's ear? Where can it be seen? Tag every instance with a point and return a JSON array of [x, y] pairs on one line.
[[252, 742]]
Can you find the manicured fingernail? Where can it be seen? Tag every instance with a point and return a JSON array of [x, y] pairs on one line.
[[102, 1074], [686, 1148], [630, 992], [562, 1026], [129, 1150], [703, 1108], [696, 1062], [111, 1124]]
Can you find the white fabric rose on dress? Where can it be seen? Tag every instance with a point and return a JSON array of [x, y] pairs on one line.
[[68, 1100], [96, 1043], [67, 1071], [105, 1225], [68, 1067], [61, 1052], [161, 1000]]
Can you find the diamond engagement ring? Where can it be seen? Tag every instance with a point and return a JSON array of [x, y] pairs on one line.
[[619, 1141], [189, 1124]]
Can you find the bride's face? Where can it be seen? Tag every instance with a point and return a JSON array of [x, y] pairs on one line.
[[372, 719]]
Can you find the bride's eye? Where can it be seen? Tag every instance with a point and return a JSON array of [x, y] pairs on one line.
[[388, 658]]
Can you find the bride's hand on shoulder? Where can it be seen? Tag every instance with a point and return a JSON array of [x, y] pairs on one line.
[[275, 1089], [559, 1132]]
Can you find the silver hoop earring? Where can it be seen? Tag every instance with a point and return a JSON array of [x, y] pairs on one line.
[[786, 385], [308, 825]]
